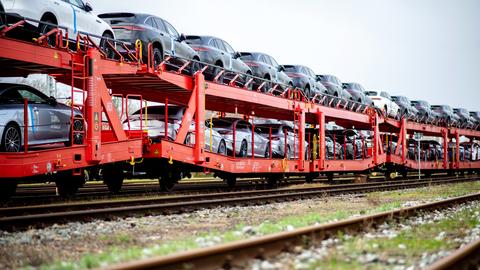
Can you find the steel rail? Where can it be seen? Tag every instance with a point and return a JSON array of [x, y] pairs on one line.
[[23, 217], [467, 257], [237, 253]]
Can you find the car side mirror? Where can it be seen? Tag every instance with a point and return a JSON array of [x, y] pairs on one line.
[[237, 55], [182, 37], [281, 68], [52, 101], [88, 7]]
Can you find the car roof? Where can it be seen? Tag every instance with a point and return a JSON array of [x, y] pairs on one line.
[[6, 86]]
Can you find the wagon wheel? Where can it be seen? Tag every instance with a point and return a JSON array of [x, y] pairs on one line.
[[113, 177]]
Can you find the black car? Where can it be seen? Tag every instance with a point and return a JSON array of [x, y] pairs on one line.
[[406, 108], [349, 138], [264, 66], [425, 113], [130, 27], [465, 120], [334, 86], [358, 93], [475, 117], [446, 114], [304, 78], [221, 55]]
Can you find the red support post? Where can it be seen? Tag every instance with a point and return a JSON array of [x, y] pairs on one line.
[[270, 141], [199, 92], [25, 125], [445, 148], [234, 137], [166, 120], [321, 140], [301, 139], [253, 140], [93, 108], [457, 154]]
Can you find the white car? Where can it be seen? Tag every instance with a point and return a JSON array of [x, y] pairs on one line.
[[384, 102], [74, 15]]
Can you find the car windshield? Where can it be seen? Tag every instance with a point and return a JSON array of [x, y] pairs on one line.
[[266, 129], [289, 68], [194, 40], [371, 93], [119, 18], [173, 111], [220, 123], [247, 57]]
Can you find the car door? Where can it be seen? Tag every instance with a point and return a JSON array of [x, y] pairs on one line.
[[167, 41], [45, 123], [66, 16], [234, 64], [178, 48], [82, 21]]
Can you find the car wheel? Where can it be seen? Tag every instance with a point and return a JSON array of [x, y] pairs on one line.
[[11, 139], [308, 93], [231, 180], [168, 180], [196, 66], [268, 84], [243, 149], [222, 148], [267, 151], [157, 57], [68, 184], [110, 54], [45, 28]]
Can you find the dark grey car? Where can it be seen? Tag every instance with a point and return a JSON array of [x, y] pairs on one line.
[[304, 78], [465, 120], [475, 117], [446, 114], [358, 93], [425, 113], [334, 86], [266, 67], [48, 121], [219, 53], [406, 108], [130, 27]]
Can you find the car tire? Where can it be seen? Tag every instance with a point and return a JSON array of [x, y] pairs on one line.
[[267, 151], [243, 149], [11, 139], [109, 52], [222, 148], [8, 187], [44, 29], [113, 177], [157, 57], [195, 66], [308, 93], [288, 155]]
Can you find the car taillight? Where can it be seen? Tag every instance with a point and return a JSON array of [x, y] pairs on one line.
[[294, 75], [129, 27], [251, 64], [376, 98], [200, 49]]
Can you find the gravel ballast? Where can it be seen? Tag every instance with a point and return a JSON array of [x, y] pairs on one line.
[[93, 244]]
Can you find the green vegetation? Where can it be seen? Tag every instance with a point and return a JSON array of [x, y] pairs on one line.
[[408, 245], [380, 201]]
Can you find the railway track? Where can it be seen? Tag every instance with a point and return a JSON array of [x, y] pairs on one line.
[[45, 194], [226, 256], [23, 217], [467, 257]]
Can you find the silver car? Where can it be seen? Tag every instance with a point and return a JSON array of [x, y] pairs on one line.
[[154, 121], [48, 120], [243, 137], [279, 130], [214, 141]]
